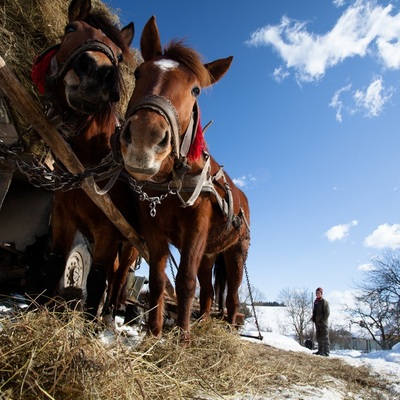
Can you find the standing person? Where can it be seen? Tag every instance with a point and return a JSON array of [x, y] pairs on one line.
[[320, 317]]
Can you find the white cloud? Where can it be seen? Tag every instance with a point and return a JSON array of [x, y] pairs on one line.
[[280, 74], [385, 236], [364, 28], [244, 181], [337, 103], [374, 98], [339, 3], [338, 300], [240, 182], [371, 101], [365, 267], [339, 232]]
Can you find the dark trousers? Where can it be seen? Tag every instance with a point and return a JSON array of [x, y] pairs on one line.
[[322, 333]]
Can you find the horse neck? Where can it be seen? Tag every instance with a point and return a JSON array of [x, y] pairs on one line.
[[91, 142], [88, 135], [196, 166]]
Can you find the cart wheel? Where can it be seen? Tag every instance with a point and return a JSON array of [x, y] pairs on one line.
[[73, 282]]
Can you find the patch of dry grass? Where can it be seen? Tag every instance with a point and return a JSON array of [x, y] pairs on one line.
[[58, 355]]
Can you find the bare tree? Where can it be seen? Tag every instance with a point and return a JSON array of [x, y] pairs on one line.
[[248, 295], [297, 302], [377, 300]]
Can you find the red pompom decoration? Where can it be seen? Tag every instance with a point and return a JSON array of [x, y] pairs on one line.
[[41, 66], [198, 146]]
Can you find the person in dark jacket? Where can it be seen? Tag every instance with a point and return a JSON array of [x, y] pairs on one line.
[[320, 317]]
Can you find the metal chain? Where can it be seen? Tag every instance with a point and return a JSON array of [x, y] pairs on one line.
[[143, 196], [41, 176], [252, 301], [172, 269]]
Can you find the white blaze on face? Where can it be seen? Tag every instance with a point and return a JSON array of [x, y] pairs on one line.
[[166, 64]]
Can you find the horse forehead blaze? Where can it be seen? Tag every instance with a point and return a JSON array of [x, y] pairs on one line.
[[166, 64]]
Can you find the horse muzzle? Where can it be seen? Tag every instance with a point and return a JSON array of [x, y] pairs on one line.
[[141, 174]]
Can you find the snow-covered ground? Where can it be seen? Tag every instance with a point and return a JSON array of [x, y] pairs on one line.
[[384, 363], [275, 330]]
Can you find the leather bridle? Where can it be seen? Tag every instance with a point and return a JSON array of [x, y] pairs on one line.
[[164, 107], [58, 71]]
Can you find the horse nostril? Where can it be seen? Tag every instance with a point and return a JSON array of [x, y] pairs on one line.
[[164, 142], [83, 64], [125, 134], [107, 76]]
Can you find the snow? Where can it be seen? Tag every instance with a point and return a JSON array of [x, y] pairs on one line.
[[272, 320], [277, 332]]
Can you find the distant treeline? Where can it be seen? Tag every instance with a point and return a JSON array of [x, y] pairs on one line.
[[269, 304]]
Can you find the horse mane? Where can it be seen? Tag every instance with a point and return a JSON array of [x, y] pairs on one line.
[[176, 50], [101, 20]]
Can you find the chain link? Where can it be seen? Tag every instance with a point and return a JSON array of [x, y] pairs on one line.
[[172, 269], [252, 301], [41, 176], [143, 196]]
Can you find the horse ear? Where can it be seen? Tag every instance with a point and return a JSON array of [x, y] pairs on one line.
[[218, 68], [79, 10], [127, 33], [150, 45]]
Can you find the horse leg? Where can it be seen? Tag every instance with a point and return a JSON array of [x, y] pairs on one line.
[[157, 282], [234, 259], [104, 252], [116, 295], [206, 288], [220, 283], [191, 256], [63, 229]]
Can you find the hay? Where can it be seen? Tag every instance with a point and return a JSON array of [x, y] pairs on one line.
[[58, 355], [28, 27]]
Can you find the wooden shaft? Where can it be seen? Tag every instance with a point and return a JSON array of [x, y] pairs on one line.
[[33, 112]]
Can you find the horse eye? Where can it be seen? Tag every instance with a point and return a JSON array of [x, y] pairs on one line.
[[120, 57], [136, 74], [70, 28], [196, 91]]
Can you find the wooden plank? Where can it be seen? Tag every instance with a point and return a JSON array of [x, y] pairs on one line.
[[28, 107]]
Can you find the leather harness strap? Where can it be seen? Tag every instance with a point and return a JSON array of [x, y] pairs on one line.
[[164, 107], [181, 182]]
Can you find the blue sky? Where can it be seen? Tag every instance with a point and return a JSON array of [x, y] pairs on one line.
[[306, 121]]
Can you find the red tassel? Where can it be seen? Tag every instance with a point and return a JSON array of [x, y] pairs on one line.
[[198, 146], [40, 68]]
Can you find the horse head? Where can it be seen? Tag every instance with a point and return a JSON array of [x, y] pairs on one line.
[[82, 74], [162, 118]]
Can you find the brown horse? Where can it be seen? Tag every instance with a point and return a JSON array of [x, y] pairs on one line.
[[194, 205], [82, 78]]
